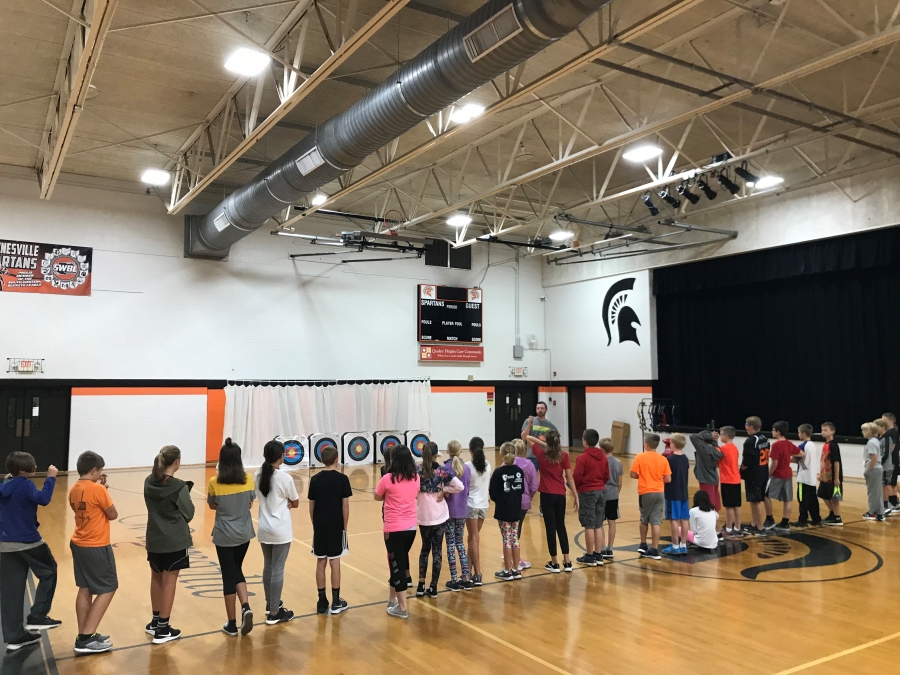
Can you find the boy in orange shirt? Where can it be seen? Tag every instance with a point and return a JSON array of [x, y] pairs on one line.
[[652, 472], [92, 554], [730, 480]]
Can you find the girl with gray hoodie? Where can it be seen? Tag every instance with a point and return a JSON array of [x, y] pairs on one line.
[[169, 510]]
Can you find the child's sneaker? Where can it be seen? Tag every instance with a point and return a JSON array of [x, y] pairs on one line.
[[466, 585], [150, 629], [165, 634], [587, 559], [607, 553], [552, 567], [653, 554], [682, 550], [29, 639], [431, 591], [282, 616], [230, 628], [476, 580], [524, 565], [43, 623], [567, 566], [339, 606], [869, 516], [833, 521], [504, 575], [769, 523], [420, 589], [246, 620], [598, 559], [92, 644], [642, 548], [517, 575], [454, 586], [671, 550], [322, 607], [395, 611], [879, 518]]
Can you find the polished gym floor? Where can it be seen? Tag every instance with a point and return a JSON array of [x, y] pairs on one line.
[[818, 601]]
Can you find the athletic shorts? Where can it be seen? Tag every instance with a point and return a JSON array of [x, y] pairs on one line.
[[887, 476], [651, 507], [731, 495], [612, 509], [894, 475], [329, 543], [475, 514], [754, 490], [591, 509], [677, 509], [826, 492], [169, 562], [780, 489], [95, 568]]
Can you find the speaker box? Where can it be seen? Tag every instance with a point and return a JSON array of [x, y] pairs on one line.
[[296, 452], [319, 441], [384, 440], [357, 446]]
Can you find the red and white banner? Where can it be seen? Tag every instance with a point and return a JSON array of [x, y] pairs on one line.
[[28, 267], [450, 353]]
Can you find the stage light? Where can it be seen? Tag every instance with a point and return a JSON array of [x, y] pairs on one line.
[[459, 220], [674, 202], [155, 177], [466, 113], [318, 199], [642, 153], [768, 182], [247, 62], [650, 205], [749, 178], [684, 191], [727, 183], [561, 235], [708, 192]]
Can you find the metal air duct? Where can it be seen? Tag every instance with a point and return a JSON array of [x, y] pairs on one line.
[[497, 37]]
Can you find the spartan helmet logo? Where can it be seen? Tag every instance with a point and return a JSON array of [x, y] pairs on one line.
[[617, 313]]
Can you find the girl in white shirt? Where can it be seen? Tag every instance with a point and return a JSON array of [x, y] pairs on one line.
[[478, 502], [703, 519], [277, 495]]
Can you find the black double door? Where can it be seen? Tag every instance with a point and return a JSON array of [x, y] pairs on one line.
[[35, 420], [514, 404]]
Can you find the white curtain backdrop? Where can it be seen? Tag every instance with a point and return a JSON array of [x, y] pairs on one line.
[[254, 415]]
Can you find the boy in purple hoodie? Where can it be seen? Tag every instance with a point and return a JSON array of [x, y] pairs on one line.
[[21, 549], [531, 488], [591, 476], [455, 527]]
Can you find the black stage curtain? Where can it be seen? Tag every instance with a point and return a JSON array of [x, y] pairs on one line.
[[803, 333]]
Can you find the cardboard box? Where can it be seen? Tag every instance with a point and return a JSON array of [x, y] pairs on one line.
[[619, 435]]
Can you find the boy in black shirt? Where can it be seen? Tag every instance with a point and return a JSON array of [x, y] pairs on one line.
[[329, 509], [755, 472], [831, 476], [894, 435]]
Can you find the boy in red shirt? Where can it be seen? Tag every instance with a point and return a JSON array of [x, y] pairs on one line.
[[780, 486], [730, 480], [591, 475]]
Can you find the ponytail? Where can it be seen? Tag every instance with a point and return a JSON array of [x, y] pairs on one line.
[[166, 458], [508, 453], [429, 450], [273, 451], [453, 449], [554, 450]]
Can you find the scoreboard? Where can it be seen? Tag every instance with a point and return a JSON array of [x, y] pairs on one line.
[[449, 314]]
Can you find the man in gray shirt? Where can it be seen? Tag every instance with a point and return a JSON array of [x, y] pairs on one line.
[[538, 427]]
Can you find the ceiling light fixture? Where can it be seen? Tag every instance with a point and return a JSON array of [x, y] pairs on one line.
[[318, 199], [749, 178], [561, 235], [642, 153], [155, 177], [707, 191], [459, 220], [248, 62], [650, 205], [727, 183], [674, 202], [466, 113], [685, 191], [768, 182]]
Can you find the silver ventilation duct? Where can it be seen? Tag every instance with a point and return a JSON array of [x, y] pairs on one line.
[[495, 38]]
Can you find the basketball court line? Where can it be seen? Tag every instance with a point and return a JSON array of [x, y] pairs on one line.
[[838, 655]]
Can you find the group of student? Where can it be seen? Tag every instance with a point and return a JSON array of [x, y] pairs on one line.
[[438, 501]]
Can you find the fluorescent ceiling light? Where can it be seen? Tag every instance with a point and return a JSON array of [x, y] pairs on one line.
[[155, 177], [466, 113], [318, 199], [767, 182], [642, 153], [459, 220], [561, 235], [247, 62]]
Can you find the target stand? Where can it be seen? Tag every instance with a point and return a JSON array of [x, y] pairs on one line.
[[358, 449], [385, 440], [319, 441], [415, 441], [296, 452]]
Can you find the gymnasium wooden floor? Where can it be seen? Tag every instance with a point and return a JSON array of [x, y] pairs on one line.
[[821, 601]]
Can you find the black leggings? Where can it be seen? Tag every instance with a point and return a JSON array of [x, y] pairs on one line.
[[432, 542], [230, 560], [554, 508], [398, 545]]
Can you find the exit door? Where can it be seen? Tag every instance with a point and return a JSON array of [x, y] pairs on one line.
[[35, 420], [514, 405]]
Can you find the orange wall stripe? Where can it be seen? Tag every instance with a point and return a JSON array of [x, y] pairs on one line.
[[139, 391], [618, 390], [553, 390], [462, 390], [215, 422]]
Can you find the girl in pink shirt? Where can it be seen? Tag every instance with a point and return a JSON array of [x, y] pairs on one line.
[[398, 489]]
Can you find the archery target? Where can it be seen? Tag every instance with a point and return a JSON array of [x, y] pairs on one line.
[[415, 441], [385, 440], [317, 442], [295, 453], [357, 448]]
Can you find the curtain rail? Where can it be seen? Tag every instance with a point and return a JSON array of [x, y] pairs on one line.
[[326, 383]]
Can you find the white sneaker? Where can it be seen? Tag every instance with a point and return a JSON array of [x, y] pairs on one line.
[[524, 565], [397, 612]]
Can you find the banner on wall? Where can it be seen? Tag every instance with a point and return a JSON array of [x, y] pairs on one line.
[[450, 353], [28, 267]]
